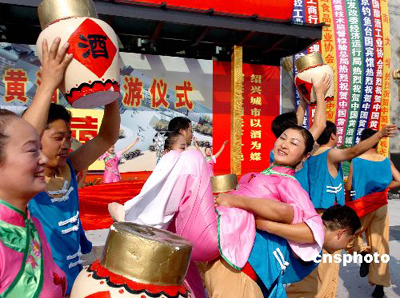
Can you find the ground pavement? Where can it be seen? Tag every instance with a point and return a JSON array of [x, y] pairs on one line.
[[353, 286]]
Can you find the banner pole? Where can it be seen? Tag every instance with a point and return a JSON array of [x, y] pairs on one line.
[[236, 109]]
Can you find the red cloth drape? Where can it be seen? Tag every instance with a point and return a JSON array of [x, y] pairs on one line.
[[369, 203], [93, 201]]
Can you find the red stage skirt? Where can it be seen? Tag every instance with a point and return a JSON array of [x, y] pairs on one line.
[[93, 201]]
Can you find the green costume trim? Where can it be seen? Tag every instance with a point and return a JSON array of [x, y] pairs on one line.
[[219, 244], [13, 236], [270, 171], [8, 205], [110, 156]]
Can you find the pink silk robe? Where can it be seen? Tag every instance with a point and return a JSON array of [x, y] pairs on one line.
[[111, 171], [178, 197], [13, 225], [238, 226]]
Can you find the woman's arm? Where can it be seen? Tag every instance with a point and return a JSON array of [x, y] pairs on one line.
[[301, 110], [319, 122], [108, 135], [349, 181], [196, 145], [396, 177], [264, 208], [54, 64], [123, 151], [394, 184], [221, 149], [299, 233], [337, 156]]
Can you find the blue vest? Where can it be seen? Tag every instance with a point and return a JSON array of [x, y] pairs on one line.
[[324, 190], [370, 176], [302, 177], [271, 157], [275, 265], [61, 223]]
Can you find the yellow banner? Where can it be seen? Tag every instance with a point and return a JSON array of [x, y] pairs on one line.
[[385, 103], [328, 50], [85, 125]]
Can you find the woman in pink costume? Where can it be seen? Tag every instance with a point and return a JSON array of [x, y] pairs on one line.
[[111, 161], [212, 159], [278, 185], [178, 197], [27, 268]]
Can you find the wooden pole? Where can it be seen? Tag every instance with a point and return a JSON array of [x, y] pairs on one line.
[[236, 109]]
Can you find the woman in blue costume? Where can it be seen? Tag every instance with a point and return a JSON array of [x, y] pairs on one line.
[[370, 175], [57, 208]]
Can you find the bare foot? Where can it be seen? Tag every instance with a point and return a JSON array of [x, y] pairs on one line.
[[117, 212]]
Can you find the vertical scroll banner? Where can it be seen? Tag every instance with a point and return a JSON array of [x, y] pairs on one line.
[[299, 17], [328, 50], [375, 110], [255, 150], [236, 110], [261, 99], [385, 104], [357, 69], [311, 11], [356, 43], [343, 64], [369, 69]]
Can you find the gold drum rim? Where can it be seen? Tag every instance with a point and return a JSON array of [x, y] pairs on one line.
[[309, 60], [51, 11], [223, 183], [146, 255]]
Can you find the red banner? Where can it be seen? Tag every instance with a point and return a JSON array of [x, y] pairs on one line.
[[277, 10], [261, 103]]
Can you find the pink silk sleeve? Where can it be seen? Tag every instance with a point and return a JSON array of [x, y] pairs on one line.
[[236, 227], [196, 219], [292, 193], [119, 154], [247, 177], [103, 156], [178, 197], [286, 190]]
